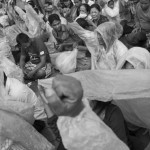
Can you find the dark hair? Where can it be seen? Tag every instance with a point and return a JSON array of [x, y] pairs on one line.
[[22, 38], [83, 23], [53, 17], [48, 3], [87, 7], [95, 6]]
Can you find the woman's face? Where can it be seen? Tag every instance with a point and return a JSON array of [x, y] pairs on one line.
[[128, 66], [100, 39], [83, 10], [94, 13]]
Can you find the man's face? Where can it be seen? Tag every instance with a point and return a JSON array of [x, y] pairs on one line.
[[56, 25], [144, 4], [77, 3]]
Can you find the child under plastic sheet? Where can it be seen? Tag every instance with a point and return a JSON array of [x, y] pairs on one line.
[[79, 126]]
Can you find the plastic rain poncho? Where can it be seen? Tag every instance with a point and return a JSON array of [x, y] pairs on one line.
[[16, 133], [137, 56], [113, 49], [136, 111], [87, 132]]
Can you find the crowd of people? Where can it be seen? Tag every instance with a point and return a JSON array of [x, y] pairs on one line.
[[44, 39]]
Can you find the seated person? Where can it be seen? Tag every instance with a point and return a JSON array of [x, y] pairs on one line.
[[142, 24], [64, 35], [39, 65]]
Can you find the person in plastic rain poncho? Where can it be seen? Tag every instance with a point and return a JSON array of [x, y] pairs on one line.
[[110, 48], [79, 126], [39, 65], [135, 58], [17, 91]]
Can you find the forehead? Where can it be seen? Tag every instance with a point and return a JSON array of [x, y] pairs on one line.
[[94, 10]]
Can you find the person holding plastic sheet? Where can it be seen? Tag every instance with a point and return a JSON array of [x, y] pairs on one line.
[[79, 126], [39, 64], [135, 58]]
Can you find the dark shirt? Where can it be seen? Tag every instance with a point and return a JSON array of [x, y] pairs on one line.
[[35, 51]]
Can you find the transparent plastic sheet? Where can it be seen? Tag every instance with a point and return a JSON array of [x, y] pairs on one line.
[[5, 50], [16, 132], [11, 33], [119, 85], [33, 21], [19, 131], [11, 69], [102, 58], [87, 132], [66, 62]]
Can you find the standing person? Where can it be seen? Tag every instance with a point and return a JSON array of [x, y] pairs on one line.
[[39, 65], [142, 24]]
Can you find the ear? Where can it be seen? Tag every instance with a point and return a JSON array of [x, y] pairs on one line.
[[5, 78]]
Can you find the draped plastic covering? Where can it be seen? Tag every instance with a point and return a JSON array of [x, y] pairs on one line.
[[11, 33], [66, 62], [137, 56], [11, 69], [5, 49], [140, 59], [130, 85], [31, 19], [87, 132], [102, 57], [15, 132]]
